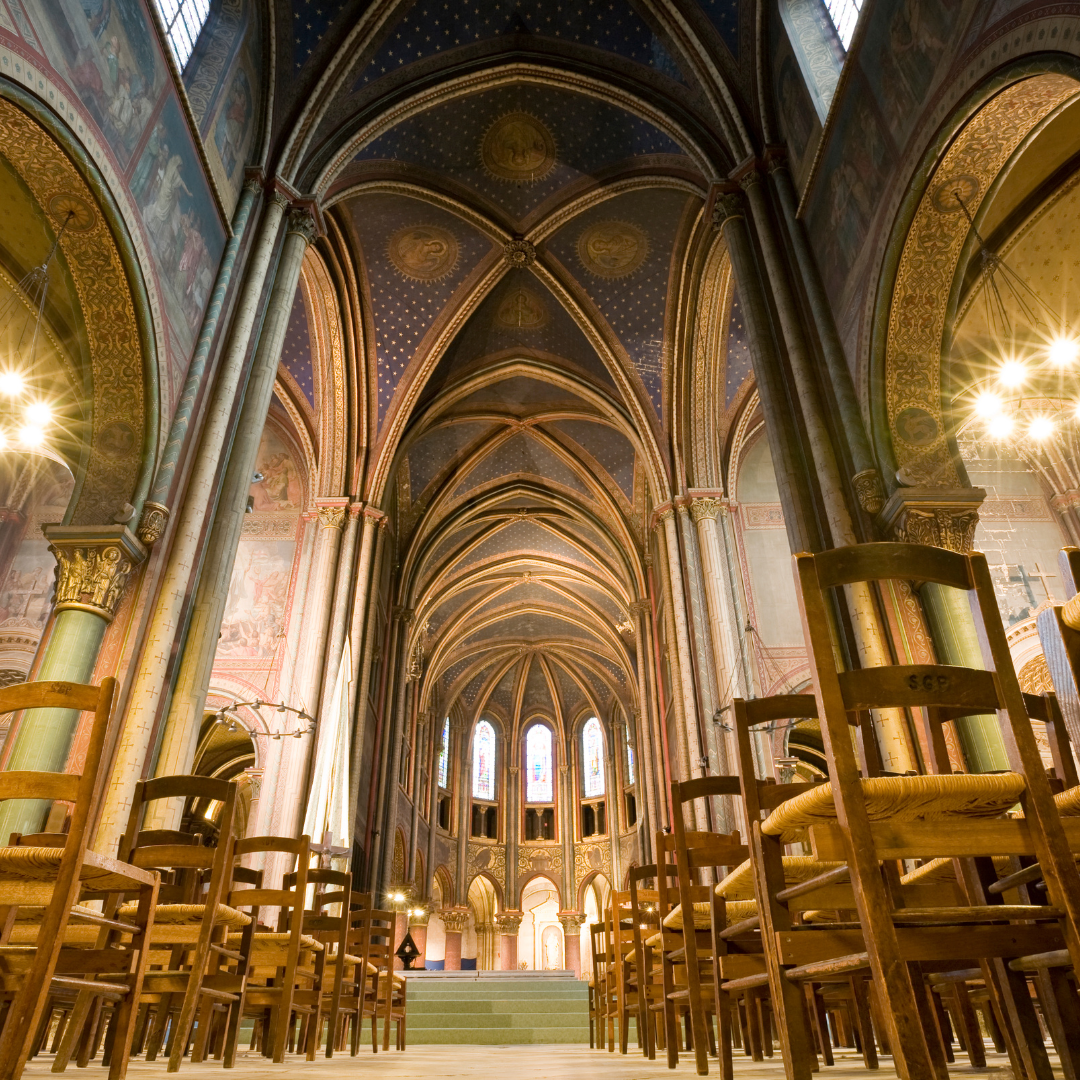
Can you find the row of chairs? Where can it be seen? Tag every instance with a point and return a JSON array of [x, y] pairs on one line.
[[183, 938], [912, 915]]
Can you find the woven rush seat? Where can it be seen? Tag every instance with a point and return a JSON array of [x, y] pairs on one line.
[[904, 798], [25, 930], [190, 915], [22, 865], [273, 943], [737, 910], [673, 920], [399, 979], [739, 884], [941, 872], [1068, 802]]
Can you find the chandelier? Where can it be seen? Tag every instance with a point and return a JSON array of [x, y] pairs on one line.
[[1027, 392], [26, 418], [229, 716]]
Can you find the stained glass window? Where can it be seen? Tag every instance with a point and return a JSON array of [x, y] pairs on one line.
[[183, 20], [483, 761], [629, 760], [844, 14], [592, 754], [538, 764], [444, 754]]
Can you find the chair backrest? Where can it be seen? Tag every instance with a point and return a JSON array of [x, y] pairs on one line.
[[192, 871], [288, 901], [81, 789]]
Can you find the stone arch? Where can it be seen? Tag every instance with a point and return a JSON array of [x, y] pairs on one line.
[[445, 882], [930, 247], [397, 866], [121, 357]]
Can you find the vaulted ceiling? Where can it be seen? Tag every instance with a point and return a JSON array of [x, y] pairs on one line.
[[519, 187]]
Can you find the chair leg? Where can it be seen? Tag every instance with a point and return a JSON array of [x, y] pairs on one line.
[[863, 1022], [969, 1024]]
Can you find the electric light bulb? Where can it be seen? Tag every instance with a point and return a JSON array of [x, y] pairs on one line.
[[1042, 427], [31, 436], [1000, 427], [1012, 373], [398, 897], [1063, 352], [11, 383], [988, 405], [38, 413]]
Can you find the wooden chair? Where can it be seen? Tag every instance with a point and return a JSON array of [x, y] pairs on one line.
[[385, 995], [54, 878], [689, 960], [648, 969], [867, 821], [597, 1016], [280, 960]]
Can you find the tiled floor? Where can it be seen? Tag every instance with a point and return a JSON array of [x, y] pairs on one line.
[[500, 1063]]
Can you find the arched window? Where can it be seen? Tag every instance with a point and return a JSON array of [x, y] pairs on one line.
[[444, 754], [538, 764], [844, 15], [592, 755], [483, 761], [629, 759], [183, 20]]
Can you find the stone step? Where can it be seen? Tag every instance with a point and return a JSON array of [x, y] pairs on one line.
[[495, 1019], [472, 1008], [459, 1036]]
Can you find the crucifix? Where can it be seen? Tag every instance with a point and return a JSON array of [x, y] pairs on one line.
[[1024, 579], [1043, 575]]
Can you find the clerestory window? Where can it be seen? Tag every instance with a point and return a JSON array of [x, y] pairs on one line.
[[183, 21], [844, 15]]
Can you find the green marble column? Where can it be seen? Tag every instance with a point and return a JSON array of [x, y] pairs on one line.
[[94, 564]]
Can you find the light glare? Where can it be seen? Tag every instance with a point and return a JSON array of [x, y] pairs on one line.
[[38, 413], [1000, 427], [11, 383], [988, 405], [31, 436], [1063, 352], [1041, 427], [1012, 373]]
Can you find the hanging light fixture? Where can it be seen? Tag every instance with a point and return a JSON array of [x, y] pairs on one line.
[[1028, 392], [27, 420]]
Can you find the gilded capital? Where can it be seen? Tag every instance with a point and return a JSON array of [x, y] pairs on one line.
[[727, 206], [93, 566], [868, 490], [936, 517], [508, 923], [572, 922], [155, 517], [332, 515], [640, 607], [302, 224], [703, 508], [455, 920]]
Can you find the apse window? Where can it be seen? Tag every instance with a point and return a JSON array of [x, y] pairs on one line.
[[183, 21], [844, 15]]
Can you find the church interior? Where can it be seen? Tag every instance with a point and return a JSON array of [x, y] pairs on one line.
[[540, 535]]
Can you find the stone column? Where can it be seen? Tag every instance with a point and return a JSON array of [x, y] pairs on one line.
[[94, 565], [189, 697], [662, 764], [894, 737], [465, 815], [189, 536], [422, 725], [614, 794], [568, 809], [947, 518], [508, 924], [572, 922], [362, 632], [647, 726], [512, 803], [393, 754], [455, 920], [339, 612], [433, 799]]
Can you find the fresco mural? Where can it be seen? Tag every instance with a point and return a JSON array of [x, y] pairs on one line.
[[26, 594], [180, 218], [107, 51], [280, 487], [234, 129], [255, 607]]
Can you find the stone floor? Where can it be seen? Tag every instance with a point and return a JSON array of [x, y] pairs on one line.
[[501, 1063]]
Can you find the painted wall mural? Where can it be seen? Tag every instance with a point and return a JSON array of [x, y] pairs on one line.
[[256, 603], [108, 53]]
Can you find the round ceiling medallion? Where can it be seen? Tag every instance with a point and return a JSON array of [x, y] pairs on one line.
[[612, 249], [519, 148], [522, 309], [78, 213], [423, 252], [951, 195]]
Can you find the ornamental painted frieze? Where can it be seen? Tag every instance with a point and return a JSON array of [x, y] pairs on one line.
[[518, 148]]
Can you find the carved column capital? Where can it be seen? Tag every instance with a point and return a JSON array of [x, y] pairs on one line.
[[727, 205], [155, 517], [572, 922], [937, 517], [708, 507], [302, 223], [508, 923], [640, 607], [869, 490], [406, 614], [93, 566], [455, 920], [331, 513], [279, 198]]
